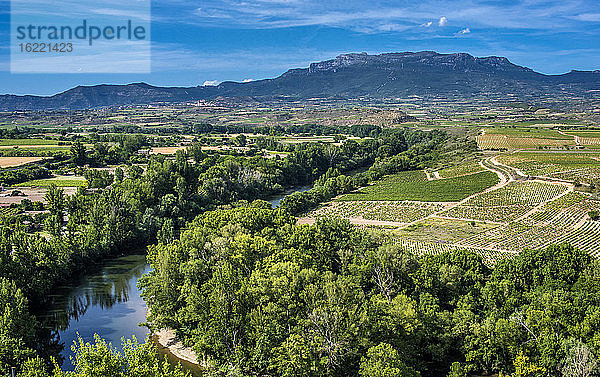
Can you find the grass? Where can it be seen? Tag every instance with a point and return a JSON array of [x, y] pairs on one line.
[[28, 142], [56, 182], [413, 185]]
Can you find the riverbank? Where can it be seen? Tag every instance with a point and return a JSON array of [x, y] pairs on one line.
[[167, 339]]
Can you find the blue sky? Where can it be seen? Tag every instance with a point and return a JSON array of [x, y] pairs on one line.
[[198, 42]]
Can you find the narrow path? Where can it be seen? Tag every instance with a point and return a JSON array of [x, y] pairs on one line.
[[494, 160], [574, 136]]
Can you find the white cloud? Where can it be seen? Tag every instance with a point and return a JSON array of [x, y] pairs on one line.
[[388, 28], [211, 83], [591, 17], [247, 80], [464, 31], [377, 15], [427, 24]]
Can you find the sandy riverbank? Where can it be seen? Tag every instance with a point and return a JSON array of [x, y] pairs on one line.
[[168, 339]]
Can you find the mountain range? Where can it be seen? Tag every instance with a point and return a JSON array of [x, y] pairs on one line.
[[348, 76]]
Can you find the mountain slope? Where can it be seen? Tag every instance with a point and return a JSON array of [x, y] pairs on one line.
[[346, 76]]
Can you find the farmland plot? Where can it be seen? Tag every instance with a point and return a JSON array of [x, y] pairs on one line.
[[586, 237], [9, 162], [490, 257], [514, 142], [414, 186], [551, 223], [507, 203], [589, 140], [567, 166], [460, 170], [397, 211]]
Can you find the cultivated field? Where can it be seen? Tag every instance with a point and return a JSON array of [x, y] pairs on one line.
[[567, 166], [535, 204], [414, 186], [9, 162], [496, 142]]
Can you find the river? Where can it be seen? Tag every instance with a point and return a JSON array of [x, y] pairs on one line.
[[275, 200], [105, 301]]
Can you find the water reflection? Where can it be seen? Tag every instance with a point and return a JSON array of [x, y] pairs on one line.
[[105, 301], [275, 200]]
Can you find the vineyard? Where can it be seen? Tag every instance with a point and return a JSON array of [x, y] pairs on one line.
[[414, 186], [490, 256], [586, 237], [552, 222], [459, 207], [496, 142], [589, 140], [397, 211], [461, 170], [567, 166], [507, 203]]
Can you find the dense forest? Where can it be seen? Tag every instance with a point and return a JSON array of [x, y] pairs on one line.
[[258, 295]]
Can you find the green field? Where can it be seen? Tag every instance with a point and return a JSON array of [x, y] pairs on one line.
[[585, 133], [462, 169], [413, 185], [17, 142], [56, 182]]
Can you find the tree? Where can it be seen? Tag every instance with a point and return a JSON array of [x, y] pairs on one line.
[[119, 175], [17, 327], [34, 367], [78, 153], [99, 359], [384, 361], [166, 233], [240, 140], [55, 198], [525, 368]]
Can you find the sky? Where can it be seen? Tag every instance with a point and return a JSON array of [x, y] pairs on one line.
[[206, 42]]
